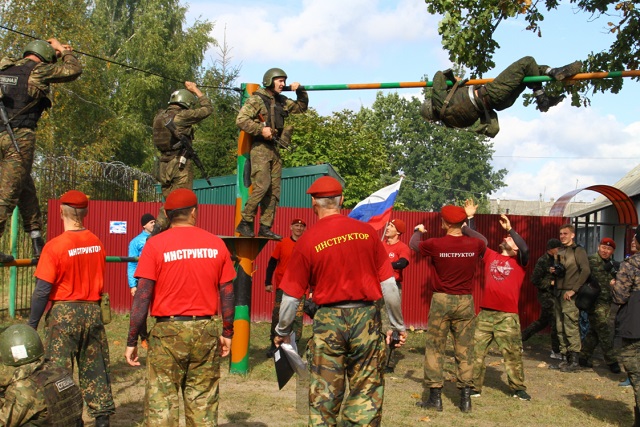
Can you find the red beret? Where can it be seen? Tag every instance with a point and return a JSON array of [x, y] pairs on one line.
[[608, 242], [453, 214], [180, 199], [325, 186], [298, 221], [399, 225], [75, 199]]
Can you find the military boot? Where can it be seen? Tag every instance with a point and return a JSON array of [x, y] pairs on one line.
[[245, 229], [572, 363], [6, 258], [465, 399], [38, 245], [266, 232], [434, 401], [102, 421], [560, 365], [544, 102], [636, 417], [568, 70]]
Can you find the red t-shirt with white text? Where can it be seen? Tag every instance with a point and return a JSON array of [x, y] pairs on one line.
[[503, 278]]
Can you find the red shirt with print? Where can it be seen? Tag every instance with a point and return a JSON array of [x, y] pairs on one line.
[[396, 251], [503, 278]]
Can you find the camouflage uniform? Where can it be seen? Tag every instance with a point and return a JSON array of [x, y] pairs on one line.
[[453, 313], [542, 279], [24, 401], [266, 164], [626, 285], [16, 184], [75, 334], [599, 328], [169, 174], [347, 344]]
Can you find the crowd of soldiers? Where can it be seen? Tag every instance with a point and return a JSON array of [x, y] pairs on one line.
[[184, 277]]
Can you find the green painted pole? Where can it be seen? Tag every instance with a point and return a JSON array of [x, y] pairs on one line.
[[13, 271]]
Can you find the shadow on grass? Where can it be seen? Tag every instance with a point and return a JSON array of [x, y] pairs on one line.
[[128, 414], [240, 419], [609, 411]]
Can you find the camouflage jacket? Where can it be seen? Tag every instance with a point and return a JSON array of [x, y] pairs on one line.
[[186, 118], [604, 277], [248, 120], [23, 401], [44, 74], [541, 278], [627, 280]]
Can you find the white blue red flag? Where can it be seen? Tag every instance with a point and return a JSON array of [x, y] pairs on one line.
[[376, 209]]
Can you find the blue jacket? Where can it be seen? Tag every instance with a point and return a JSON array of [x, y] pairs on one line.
[[135, 249]]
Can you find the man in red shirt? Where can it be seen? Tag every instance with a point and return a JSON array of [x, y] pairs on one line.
[[454, 258], [350, 270], [182, 274], [498, 319], [278, 264], [70, 274], [399, 252]]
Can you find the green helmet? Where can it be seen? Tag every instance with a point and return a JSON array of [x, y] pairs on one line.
[[183, 98], [426, 110], [272, 73], [42, 50], [19, 345]]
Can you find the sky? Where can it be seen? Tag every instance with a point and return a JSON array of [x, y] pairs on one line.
[[365, 41]]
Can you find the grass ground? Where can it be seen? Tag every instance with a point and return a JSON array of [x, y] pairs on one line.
[[588, 398]]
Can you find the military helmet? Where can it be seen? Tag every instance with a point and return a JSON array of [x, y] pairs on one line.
[[426, 110], [183, 98], [19, 345], [272, 73], [42, 50]]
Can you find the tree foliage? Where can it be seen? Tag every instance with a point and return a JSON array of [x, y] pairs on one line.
[[468, 26]]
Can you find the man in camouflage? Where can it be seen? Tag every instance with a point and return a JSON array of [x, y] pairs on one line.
[[604, 269], [350, 270], [39, 393], [263, 116], [474, 107], [25, 85], [176, 171], [626, 292], [543, 279]]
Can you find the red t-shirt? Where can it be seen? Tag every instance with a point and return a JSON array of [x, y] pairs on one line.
[[503, 278], [455, 260], [74, 262], [396, 251], [282, 253], [341, 258], [187, 264]]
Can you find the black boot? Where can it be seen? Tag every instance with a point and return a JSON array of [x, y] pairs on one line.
[[568, 70], [434, 401], [465, 399], [544, 102], [572, 363], [102, 421], [38, 245], [266, 232], [636, 417], [584, 362], [6, 258], [561, 365], [245, 229], [614, 367]]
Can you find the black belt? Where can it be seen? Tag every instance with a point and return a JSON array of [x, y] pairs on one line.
[[181, 318], [348, 304]]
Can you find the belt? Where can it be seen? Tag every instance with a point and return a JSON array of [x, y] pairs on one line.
[[181, 318], [348, 304], [75, 302]]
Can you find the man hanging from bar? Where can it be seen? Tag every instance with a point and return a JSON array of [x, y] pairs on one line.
[[475, 106]]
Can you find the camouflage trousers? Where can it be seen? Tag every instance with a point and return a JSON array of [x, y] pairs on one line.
[[183, 356], [74, 333], [505, 89], [455, 314], [171, 178], [547, 318], [16, 184], [266, 174], [275, 317], [600, 332], [630, 358], [346, 345], [567, 323], [503, 329]]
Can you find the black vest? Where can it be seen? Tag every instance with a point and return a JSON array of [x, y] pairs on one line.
[[61, 394], [23, 110], [277, 121]]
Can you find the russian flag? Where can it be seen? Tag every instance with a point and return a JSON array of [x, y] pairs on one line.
[[376, 209]]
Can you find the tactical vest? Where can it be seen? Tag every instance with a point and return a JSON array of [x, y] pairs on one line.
[[61, 394], [23, 110], [163, 139], [276, 112]]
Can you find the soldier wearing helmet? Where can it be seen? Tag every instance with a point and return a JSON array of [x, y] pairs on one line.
[[25, 85], [184, 113], [263, 116], [39, 392]]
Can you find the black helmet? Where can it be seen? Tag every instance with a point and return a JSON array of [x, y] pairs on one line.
[[183, 98], [19, 345], [272, 73], [42, 50]]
